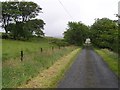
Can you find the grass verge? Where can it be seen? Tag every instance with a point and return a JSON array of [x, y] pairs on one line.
[[111, 59], [50, 77], [16, 73]]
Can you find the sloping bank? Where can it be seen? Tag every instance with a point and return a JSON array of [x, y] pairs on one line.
[[50, 77]]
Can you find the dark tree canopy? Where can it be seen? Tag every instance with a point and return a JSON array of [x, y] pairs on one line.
[[105, 33], [76, 33], [18, 19]]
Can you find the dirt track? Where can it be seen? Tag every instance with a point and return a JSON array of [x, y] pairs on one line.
[[89, 71]]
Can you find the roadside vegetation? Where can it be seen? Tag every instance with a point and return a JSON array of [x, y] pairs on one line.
[[12, 48], [16, 72], [25, 49], [111, 59], [50, 77], [103, 34]]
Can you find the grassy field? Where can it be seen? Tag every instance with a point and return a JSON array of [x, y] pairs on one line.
[[12, 48], [111, 59], [15, 72]]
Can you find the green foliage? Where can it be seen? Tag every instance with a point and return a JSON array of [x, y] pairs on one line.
[[18, 19], [76, 33], [35, 26], [111, 59], [59, 42], [17, 31], [104, 34]]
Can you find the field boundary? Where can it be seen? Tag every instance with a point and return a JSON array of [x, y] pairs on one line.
[[51, 76]]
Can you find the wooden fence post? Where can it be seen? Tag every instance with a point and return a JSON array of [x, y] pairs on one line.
[[21, 55], [41, 50]]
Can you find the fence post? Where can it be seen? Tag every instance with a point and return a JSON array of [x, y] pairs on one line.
[[21, 55], [41, 49]]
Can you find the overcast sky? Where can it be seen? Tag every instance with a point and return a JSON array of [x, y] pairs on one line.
[[56, 18]]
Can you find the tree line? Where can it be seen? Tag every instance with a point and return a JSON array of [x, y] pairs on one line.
[[103, 33], [18, 20]]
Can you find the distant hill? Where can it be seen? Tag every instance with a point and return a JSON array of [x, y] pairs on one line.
[[55, 36]]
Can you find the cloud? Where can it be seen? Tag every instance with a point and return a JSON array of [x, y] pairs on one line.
[[56, 18]]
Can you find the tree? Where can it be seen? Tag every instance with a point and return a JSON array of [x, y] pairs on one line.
[[21, 14], [104, 33], [118, 41], [76, 33], [35, 26], [9, 10], [29, 10]]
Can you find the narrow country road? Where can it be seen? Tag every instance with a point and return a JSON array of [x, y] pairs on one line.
[[89, 71]]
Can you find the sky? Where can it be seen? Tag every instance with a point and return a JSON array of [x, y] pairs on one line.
[[57, 16]]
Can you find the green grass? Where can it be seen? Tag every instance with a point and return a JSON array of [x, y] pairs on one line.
[[110, 58], [50, 77], [12, 48], [15, 72]]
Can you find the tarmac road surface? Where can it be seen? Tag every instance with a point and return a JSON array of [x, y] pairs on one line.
[[89, 71]]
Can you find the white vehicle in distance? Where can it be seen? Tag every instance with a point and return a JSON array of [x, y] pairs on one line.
[[87, 42]]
